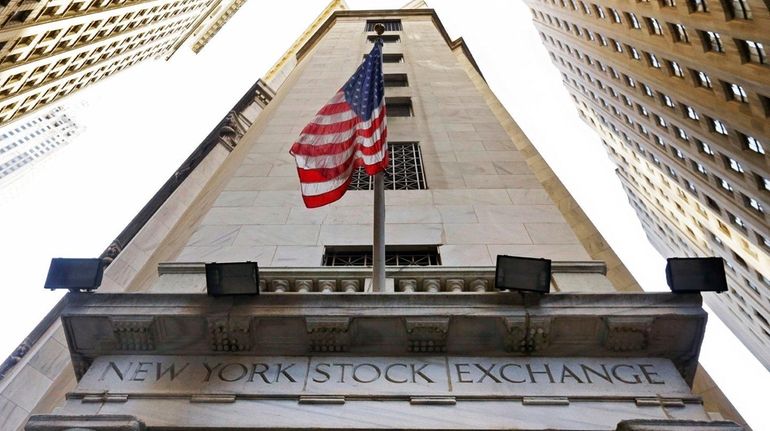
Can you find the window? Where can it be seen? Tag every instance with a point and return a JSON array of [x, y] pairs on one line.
[[633, 21], [705, 148], [680, 33], [677, 153], [697, 5], [752, 144], [599, 12], [668, 102], [724, 184], [394, 256], [734, 165], [703, 79], [692, 113], [392, 58], [764, 183], [386, 38], [667, 3], [740, 9], [399, 106], [700, 168], [719, 127], [634, 53], [712, 41], [648, 90], [691, 187], [615, 15], [618, 46], [396, 80], [753, 203], [676, 69], [630, 81], [754, 52], [405, 171], [736, 221], [671, 172], [661, 122], [653, 60], [390, 24], [736, 92], [654, 26]]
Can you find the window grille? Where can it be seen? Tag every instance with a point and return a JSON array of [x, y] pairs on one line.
[[390, 25], [405, 170], [394, 256]]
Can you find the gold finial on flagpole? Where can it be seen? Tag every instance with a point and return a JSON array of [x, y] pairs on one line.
[[379, 28]]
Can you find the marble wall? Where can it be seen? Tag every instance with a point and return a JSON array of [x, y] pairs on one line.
[[482, 198]]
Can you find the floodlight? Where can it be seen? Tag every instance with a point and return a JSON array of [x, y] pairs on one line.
[[696, 274], [74, 275], [523, 273], [232, 278]]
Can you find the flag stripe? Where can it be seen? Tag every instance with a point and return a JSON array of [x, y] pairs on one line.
[[348, 132]]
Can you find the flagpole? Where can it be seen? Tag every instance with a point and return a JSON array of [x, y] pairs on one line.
[[378, 228], [378, 251]]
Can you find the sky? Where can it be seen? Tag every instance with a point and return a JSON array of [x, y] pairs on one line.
[[143, 122]]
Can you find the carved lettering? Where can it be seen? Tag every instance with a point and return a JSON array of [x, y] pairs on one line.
[[342, 372], [566, 372], [462, 372], [170, 370], [118, 372], [325, 373], [418, 371], [140, 373], [648, 374], [486, 373], [240, 372], [635, 377], [508, 379], [259, 369], [586, 370], [285, 376], [284, 372], [391, 379], [547, 371], [210, 371], [375, 374]]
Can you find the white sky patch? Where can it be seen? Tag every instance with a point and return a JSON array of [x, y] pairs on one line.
[[143, 122]]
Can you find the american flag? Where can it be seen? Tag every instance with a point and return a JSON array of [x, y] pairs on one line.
[[348, 132]]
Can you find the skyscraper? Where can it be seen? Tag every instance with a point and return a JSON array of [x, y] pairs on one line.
[[680, 94], [48, 49], [438, 348], [25, 142]]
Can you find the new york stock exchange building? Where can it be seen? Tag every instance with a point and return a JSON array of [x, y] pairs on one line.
[[438, 346]]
